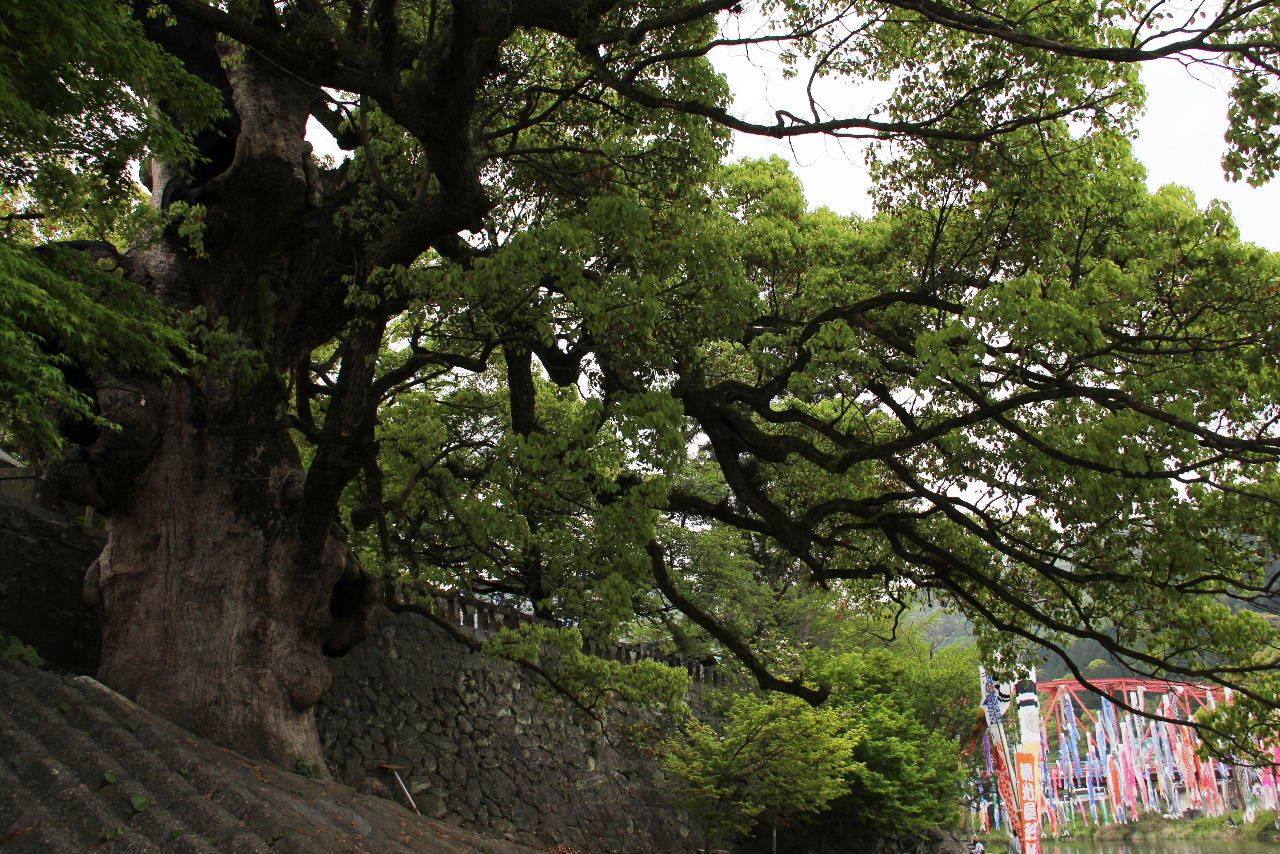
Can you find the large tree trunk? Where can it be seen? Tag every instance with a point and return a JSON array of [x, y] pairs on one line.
[[226, 575], [211, 616]]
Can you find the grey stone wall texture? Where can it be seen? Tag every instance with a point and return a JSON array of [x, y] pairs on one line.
[[483, 743], [43, 558]]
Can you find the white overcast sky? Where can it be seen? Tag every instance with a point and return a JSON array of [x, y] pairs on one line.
[[1180, 141]]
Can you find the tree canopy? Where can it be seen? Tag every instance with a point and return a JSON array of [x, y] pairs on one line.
[[775, 754], [537, 339]]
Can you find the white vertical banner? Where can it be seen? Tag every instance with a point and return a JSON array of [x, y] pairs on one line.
[[1029, 764]]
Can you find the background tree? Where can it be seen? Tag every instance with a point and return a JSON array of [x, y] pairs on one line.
[[1025, 385], [772, 754], [901, 710], [916, 705]]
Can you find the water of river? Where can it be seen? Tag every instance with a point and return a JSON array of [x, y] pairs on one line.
[[1161, 846]]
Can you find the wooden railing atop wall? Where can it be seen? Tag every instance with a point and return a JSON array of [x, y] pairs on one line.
[[481, 620]]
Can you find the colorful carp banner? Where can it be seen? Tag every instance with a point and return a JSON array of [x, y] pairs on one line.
[[1094, 759]]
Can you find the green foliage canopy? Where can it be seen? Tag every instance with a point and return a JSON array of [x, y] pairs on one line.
[[882, 759], [541, 343], [772, 753], [74, 84]]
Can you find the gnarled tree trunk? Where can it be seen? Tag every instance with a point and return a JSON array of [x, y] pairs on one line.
[[226, 576], [215, 614]]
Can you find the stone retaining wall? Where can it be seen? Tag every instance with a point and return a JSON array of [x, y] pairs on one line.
[[483, 743], [43, 558]]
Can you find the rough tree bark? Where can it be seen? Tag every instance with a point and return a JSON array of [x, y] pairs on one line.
[[226, 577], [212, 616]]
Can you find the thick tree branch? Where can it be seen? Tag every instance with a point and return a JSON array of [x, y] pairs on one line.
[[740, 649]]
